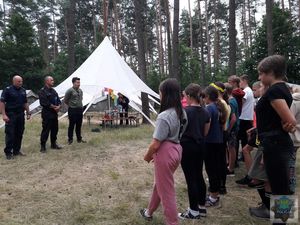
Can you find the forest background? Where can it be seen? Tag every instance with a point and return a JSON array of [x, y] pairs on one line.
[[204, 41]]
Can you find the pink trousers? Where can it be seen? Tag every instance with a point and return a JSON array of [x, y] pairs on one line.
[[166, 161]]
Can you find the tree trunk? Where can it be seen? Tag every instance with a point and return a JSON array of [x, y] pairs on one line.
[[112, 29], [116, 17], [191, 25], [176, 41], [94, 24], [54, 44], [244, 25], [168, 26], [70, 22], [202, 72], [282, 4], [299, 15], [216, 40], [105, 17], [290, 5], [250, 25], [43, 41], [269, 8], [208, 39], [140, 24], [232, 38], [4, 15], [159, 39]]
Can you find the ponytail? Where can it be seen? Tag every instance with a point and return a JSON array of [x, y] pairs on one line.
[[222, 112]]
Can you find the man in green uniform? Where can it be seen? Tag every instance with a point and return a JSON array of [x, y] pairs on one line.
[[73, 98]]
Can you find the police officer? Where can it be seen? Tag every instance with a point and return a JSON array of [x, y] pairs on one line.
[[13, 102], [51, 103], [73, 98]]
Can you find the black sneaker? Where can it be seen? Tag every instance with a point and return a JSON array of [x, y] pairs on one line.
[[9, 156], [143, 214], [81, 141], [260, 212], [188, 215], [202, 212], [258, 185], [70, 142], [230, 173], [244, 181]]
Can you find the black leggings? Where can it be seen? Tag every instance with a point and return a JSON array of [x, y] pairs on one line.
[[214, 165], [192, 166]]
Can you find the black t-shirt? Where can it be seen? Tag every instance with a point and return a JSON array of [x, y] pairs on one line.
[[266, 116], [197, 118]]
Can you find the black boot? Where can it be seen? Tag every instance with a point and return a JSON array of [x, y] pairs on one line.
[[43, 148]]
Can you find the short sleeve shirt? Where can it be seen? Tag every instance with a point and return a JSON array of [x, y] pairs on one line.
[[14, 98], [266, 116], [197, 117], [248, 105], [215, 133], [168, 126], [234, 110]]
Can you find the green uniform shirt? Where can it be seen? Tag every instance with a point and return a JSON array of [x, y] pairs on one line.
[[73, 98]]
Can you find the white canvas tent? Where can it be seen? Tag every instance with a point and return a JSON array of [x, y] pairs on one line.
[[105, 68]]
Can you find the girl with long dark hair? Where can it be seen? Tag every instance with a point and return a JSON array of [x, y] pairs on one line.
[[166, 151], [193, 146]]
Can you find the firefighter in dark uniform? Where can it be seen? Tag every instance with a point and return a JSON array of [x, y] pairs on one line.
[[51, 103], [13, 102]]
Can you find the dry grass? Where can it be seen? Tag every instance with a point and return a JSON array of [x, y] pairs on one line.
[[103, 182]]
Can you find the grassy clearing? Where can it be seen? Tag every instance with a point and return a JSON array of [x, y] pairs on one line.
[[103, 182]]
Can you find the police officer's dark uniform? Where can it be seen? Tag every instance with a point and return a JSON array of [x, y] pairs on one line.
[[48, 96], [14, 99]]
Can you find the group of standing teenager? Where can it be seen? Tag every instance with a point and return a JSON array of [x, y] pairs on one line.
[[207, 131]]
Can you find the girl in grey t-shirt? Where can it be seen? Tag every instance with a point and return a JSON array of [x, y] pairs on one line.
[[166, 152]]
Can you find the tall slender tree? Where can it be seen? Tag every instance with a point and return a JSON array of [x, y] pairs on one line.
[[168, 33], [282, 4], [232, 38], [269, 12], [176, 41], [201, 38], [70, 27], [191, 24], [158, 28], [139, 9], [208, 38]]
